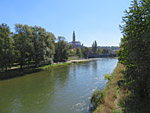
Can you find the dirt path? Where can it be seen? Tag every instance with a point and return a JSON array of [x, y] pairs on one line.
[[82, 60]]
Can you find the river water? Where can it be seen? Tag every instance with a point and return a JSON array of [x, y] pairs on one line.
[[60, 90]]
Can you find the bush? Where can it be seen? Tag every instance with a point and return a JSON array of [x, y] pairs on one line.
[[96, 99], [107, 77]]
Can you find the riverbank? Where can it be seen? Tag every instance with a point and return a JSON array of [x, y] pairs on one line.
[[54, 65], [112, 94], [65, 87], [17, 72]]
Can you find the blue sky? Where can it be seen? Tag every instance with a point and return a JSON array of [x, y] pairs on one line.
[[91, 19]]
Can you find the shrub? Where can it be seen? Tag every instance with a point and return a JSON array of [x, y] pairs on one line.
[[96, 99], [107, 77]]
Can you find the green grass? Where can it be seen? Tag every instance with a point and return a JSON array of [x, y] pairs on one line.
[[116, 111], [53, 66], [17, 72], [110, 93]]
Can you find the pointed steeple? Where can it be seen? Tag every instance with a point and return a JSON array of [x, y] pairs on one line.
[[74, 37], [74, 40]]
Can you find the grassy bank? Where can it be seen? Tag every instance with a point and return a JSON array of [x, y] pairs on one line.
[[110, 99], [53, 66], [117, 97], [17, 72]]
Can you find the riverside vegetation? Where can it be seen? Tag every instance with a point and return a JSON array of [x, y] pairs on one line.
[[32, 47], [128, 88], [129, 92], [106, 101], [28, 48], [59, 89]]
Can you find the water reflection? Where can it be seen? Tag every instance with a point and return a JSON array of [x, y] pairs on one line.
[[59, 90], [61, 75], [73, 71], [94, 65]]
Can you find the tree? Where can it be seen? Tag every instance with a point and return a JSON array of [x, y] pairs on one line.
[[61, 50], [85, 52], [105, 51], [78, 52], [50, 48], [23, 44], [6, 47], [37, 45], [43, 44], [94, 47], [134, 53]]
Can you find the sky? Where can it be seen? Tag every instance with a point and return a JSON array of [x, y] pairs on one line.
[[90, 19]]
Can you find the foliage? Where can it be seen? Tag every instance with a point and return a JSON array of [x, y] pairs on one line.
[[135, 46], [23, 44], [6, 47], [33, 44], [72, 52], [44, 47], [102, 51], [94, 47], [97, 98], [105, 51], [107, 77], [116, 111], [85, 52], [79, 52], [61, 50], [27, 46], [112, 93]]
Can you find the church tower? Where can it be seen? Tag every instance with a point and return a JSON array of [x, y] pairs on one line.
[[74, 37], [74, 40]]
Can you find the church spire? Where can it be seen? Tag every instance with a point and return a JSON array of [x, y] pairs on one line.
[[74, 37], [74, 40]]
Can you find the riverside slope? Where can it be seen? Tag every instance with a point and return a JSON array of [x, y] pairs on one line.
[[112, 93]]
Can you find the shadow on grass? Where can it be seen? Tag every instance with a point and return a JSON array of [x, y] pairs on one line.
[[13, 73], [17, 73]]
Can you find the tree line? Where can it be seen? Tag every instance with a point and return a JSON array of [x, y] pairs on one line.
[[94, 52], [34, 46], [29, 46], [135, 49]]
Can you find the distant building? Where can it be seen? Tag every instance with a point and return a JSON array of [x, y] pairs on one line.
[[75, 43]]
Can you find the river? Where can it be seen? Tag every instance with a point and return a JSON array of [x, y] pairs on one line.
[[59, 90]]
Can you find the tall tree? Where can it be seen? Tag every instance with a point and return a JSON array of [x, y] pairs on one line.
[[94, 47], [6, 47], [49, 49], [43, 46], [23, 44], [61, 50], [135, 47]]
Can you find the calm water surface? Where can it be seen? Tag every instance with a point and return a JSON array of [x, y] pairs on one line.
[[61, 90]]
